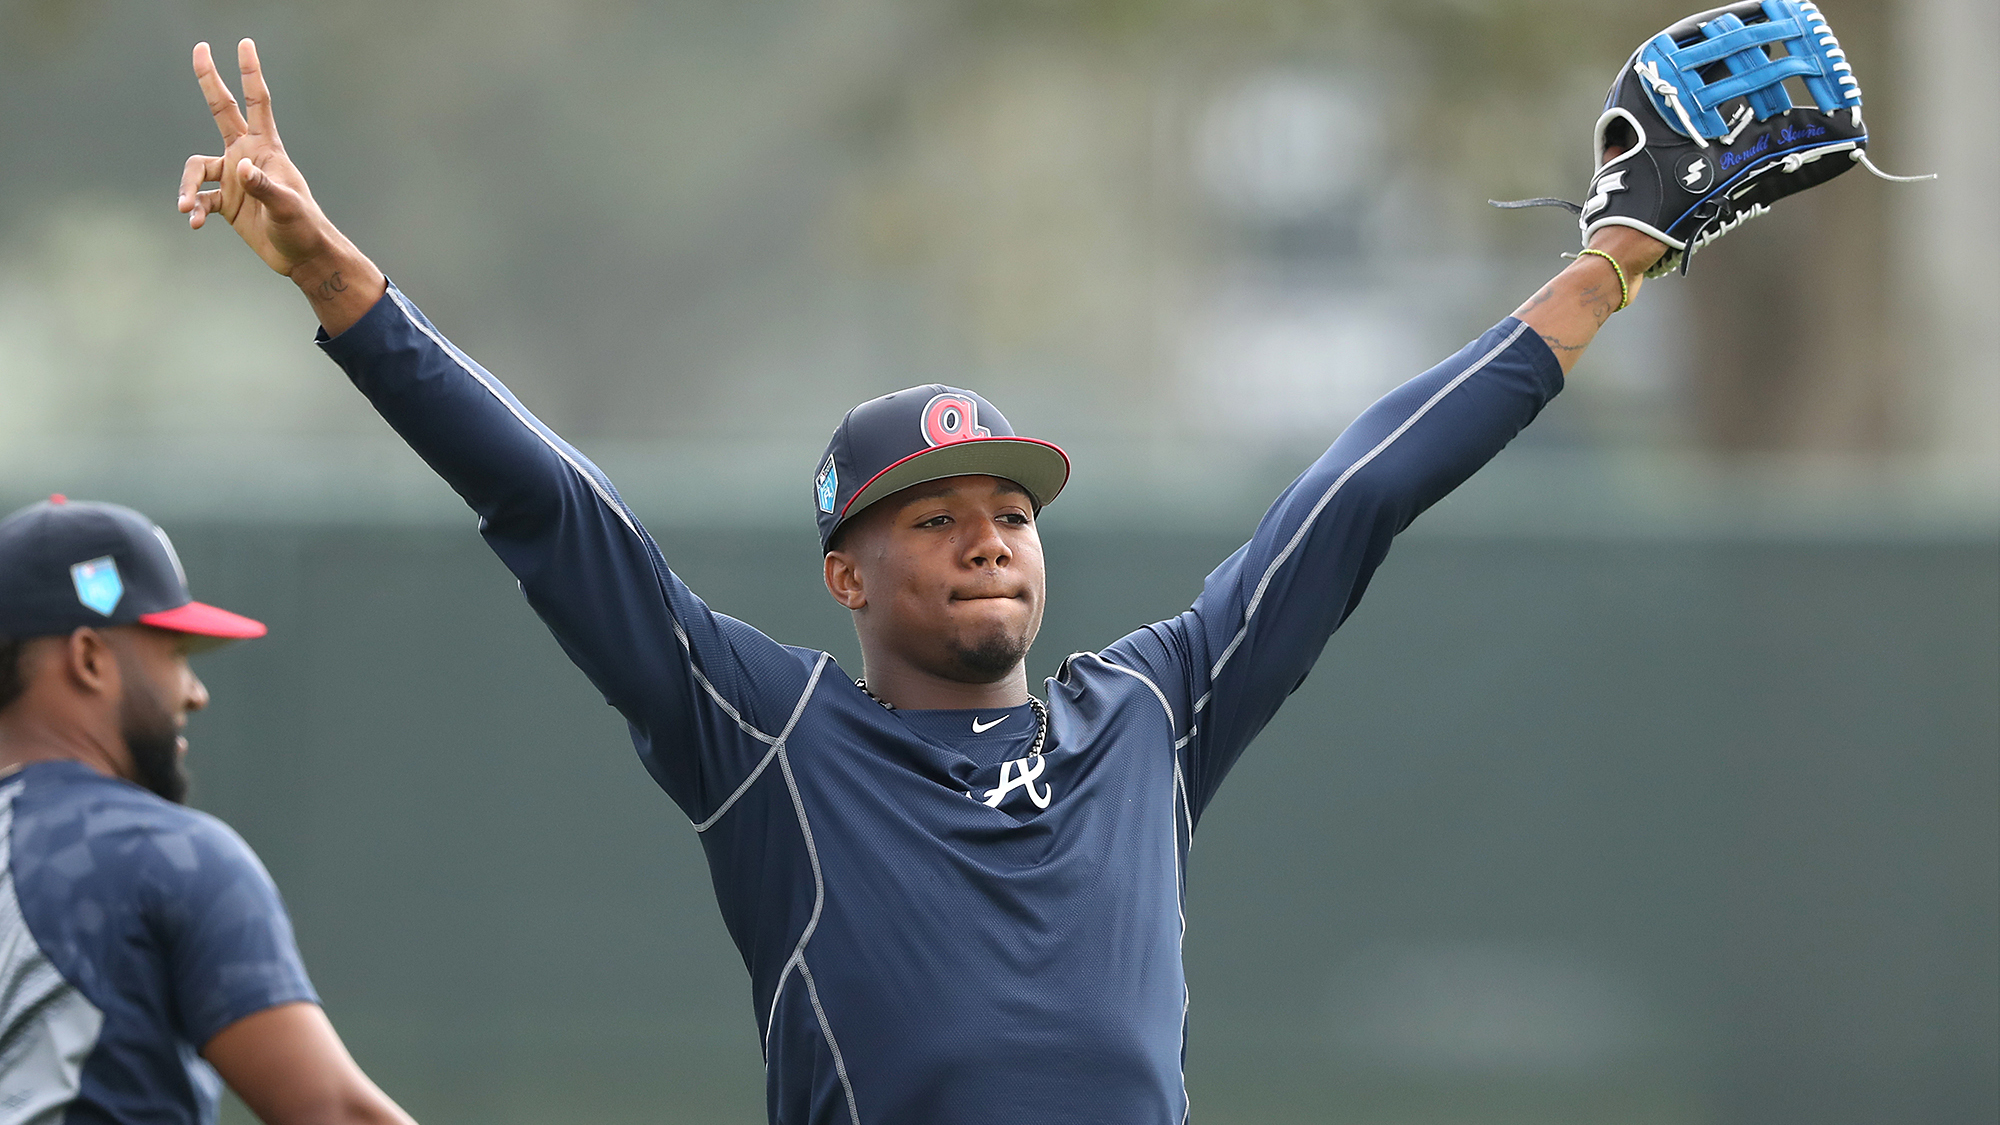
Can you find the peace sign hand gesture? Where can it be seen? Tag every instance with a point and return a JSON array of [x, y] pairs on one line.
[[264, 197]]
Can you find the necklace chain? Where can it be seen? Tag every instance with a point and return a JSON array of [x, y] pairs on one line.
[[1041, 715]]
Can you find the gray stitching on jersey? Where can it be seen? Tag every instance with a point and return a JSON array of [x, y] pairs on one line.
[[826, 1029], [701, 678], [819, 895], [465, 361], [811, 683], [1181, 785], [617, 507], [1180, 794], [1180, 907], [1179, 743], [798, 956], [1270, 572], [705, 825], [1141, 677]]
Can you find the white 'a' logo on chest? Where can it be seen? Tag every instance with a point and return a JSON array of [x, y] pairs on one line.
[[1021, 773]]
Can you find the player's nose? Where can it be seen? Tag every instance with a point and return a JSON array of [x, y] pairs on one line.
[[194, 692], [988, 547]]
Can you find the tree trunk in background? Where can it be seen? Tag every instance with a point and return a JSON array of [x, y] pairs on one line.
[[1791, 312], [1944, 235]]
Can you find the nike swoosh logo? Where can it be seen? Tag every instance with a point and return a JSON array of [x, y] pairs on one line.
[[981, 728]]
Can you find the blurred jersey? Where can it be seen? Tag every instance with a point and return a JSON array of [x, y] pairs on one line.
[[132, 930], [940, 925]]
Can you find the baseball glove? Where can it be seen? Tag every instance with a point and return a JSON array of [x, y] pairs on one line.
[[1704, 133]]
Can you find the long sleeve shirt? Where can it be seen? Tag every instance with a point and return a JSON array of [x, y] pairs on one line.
[[939, 926]]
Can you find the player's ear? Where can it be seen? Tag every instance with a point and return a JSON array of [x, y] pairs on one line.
[[843, 580], [89, 663]]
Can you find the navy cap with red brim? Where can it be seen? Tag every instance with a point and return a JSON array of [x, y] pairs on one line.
[[922, 434], [66, 564], [1040, 467], [205, 621]]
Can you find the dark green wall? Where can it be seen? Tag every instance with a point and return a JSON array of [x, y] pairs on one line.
[[1572, 829]]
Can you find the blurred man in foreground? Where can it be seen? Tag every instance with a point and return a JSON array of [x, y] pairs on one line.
[[138, 937]]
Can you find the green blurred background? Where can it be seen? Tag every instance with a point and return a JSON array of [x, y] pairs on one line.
[[1657, 780]]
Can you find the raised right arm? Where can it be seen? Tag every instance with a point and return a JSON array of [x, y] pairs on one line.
[[678, 672]]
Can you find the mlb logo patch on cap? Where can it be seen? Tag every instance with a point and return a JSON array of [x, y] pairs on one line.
[[79, 564], [97, 584], [827, 484]]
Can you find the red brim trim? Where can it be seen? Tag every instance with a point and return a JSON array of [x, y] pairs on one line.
[[1039, 500], [205, 621]]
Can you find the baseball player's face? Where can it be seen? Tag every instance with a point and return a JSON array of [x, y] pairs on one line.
[[159, 690], [946, 576]]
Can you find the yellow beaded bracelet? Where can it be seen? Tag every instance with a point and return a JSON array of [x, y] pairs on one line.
[[1624, 290]]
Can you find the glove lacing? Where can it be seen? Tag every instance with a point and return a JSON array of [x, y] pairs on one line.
[[1671, 95]]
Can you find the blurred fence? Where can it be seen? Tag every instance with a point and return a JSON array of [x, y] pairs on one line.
[[1625, 828]]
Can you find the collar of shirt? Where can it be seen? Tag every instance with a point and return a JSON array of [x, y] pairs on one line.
[[987, 737]]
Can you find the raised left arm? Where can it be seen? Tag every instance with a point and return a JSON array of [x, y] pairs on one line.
[[1264, 615], [1267, 611], [1568, 311]]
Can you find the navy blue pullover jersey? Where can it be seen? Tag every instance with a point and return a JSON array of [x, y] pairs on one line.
[[940, 929], [132, 930]]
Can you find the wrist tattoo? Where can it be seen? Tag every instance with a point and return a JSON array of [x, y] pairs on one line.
[[1597, 303], [1538, 300], [332, 285], [1557, 346]]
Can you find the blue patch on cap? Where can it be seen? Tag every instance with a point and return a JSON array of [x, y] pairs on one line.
[[827, 484], [98, 585]]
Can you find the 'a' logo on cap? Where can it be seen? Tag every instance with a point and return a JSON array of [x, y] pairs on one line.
[[98, 585], [949, 418], [827, 484]]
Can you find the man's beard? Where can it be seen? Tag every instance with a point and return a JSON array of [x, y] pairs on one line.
[[152, 741], [990, 658]]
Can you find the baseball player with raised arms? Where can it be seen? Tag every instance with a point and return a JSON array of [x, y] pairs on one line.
[[957, 903]]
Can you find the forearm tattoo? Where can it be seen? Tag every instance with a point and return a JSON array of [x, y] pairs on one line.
[[1600, 306], [1593, 298], [1557, 346]]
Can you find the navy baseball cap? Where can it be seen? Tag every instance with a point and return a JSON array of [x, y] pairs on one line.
[[66, 564], [926, 433]]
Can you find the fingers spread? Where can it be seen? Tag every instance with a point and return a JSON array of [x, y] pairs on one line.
[[221, 102], [199, 170], [256, 95]]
